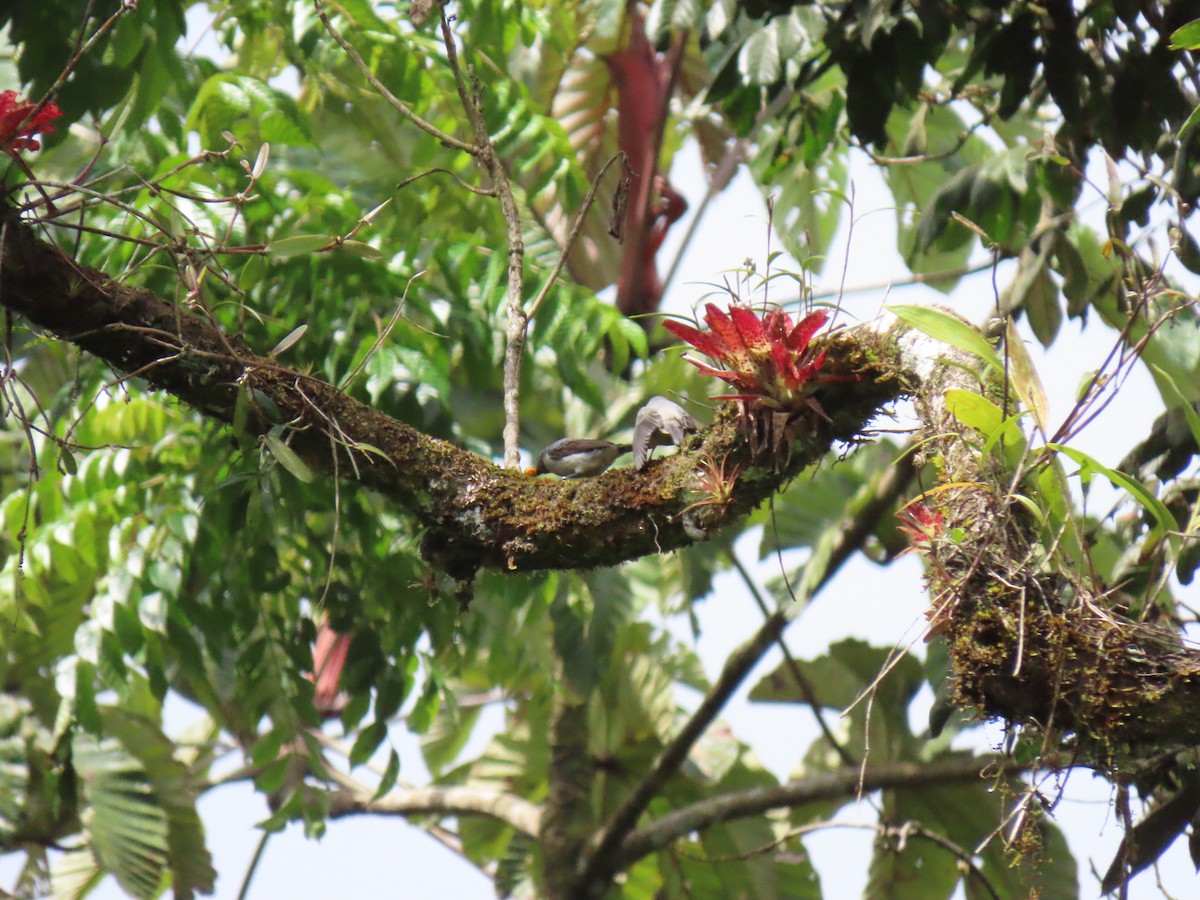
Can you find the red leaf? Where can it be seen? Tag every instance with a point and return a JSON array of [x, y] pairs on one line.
[[736, 378], [777, 325], [704, 341], [802, 333], [807, 372], [785, 364], [13, 112], [726, 332], [749, 326]]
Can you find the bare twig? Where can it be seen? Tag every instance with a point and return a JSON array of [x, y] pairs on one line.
[[576, 228], [518, 320], [396, 103], [802, 683], [818, 787]]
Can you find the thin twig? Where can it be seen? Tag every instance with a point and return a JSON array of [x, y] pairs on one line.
[[396, 103], [253, 867], [802, 682], [576, 228], [489, 161]]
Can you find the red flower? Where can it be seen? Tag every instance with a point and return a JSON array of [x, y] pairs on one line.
[[767, 359], [921, 523], [18, 127]]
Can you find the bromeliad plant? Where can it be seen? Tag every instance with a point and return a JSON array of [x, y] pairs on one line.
[[769, 359], [21, 120], [771, 362]]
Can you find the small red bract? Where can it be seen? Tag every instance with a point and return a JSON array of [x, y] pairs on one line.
[[15, 132], [766, 358], [921, 523]]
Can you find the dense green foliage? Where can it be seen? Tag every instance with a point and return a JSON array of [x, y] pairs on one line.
[[148, 552]]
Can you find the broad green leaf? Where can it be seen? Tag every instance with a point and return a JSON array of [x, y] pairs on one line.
[[980, 413], [949, 329], [287, 457], [299, 245], [1138, 491], [1186, 37], [391, 772]]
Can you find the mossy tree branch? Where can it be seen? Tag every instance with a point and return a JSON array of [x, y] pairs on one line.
[[1033, 639], [475, 514]]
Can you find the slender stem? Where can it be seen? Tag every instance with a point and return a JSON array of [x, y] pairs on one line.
[[576, 228], [396, 103], [518, 319], [805, 686], [254, 861]]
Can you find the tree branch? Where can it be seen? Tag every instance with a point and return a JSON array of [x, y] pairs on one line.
[[395, 102], [520, 814], [518, 319], [824, 786], [1034, 637], [475, 514], [597, 869]]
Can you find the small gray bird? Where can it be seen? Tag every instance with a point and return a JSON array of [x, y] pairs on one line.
[[659, 422], [578, 457]]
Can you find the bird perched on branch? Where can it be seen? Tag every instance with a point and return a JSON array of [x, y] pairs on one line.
[[659, 422], [578, 457]]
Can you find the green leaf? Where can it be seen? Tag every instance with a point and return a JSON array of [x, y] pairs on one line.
[[1181, 402], [294, 335], [978, 412], [388, 780], [949, 329], [1142, 494], [128, 827], [175, 791], [287, 457], [367, 743], [1041, 305], [361, 249], [1188, 124], [1186, 37], [447, 734], [299, 245]]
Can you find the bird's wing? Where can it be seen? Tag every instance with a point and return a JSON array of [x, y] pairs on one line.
[[644, 427]]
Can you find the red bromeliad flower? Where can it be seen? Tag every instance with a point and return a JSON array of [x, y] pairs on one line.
[[767, 359], [920, 522], [16, 133]]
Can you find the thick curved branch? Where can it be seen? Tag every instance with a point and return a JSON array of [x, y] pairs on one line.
[[1034, 637], [475, 514], [522, 815], [825, 786]]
